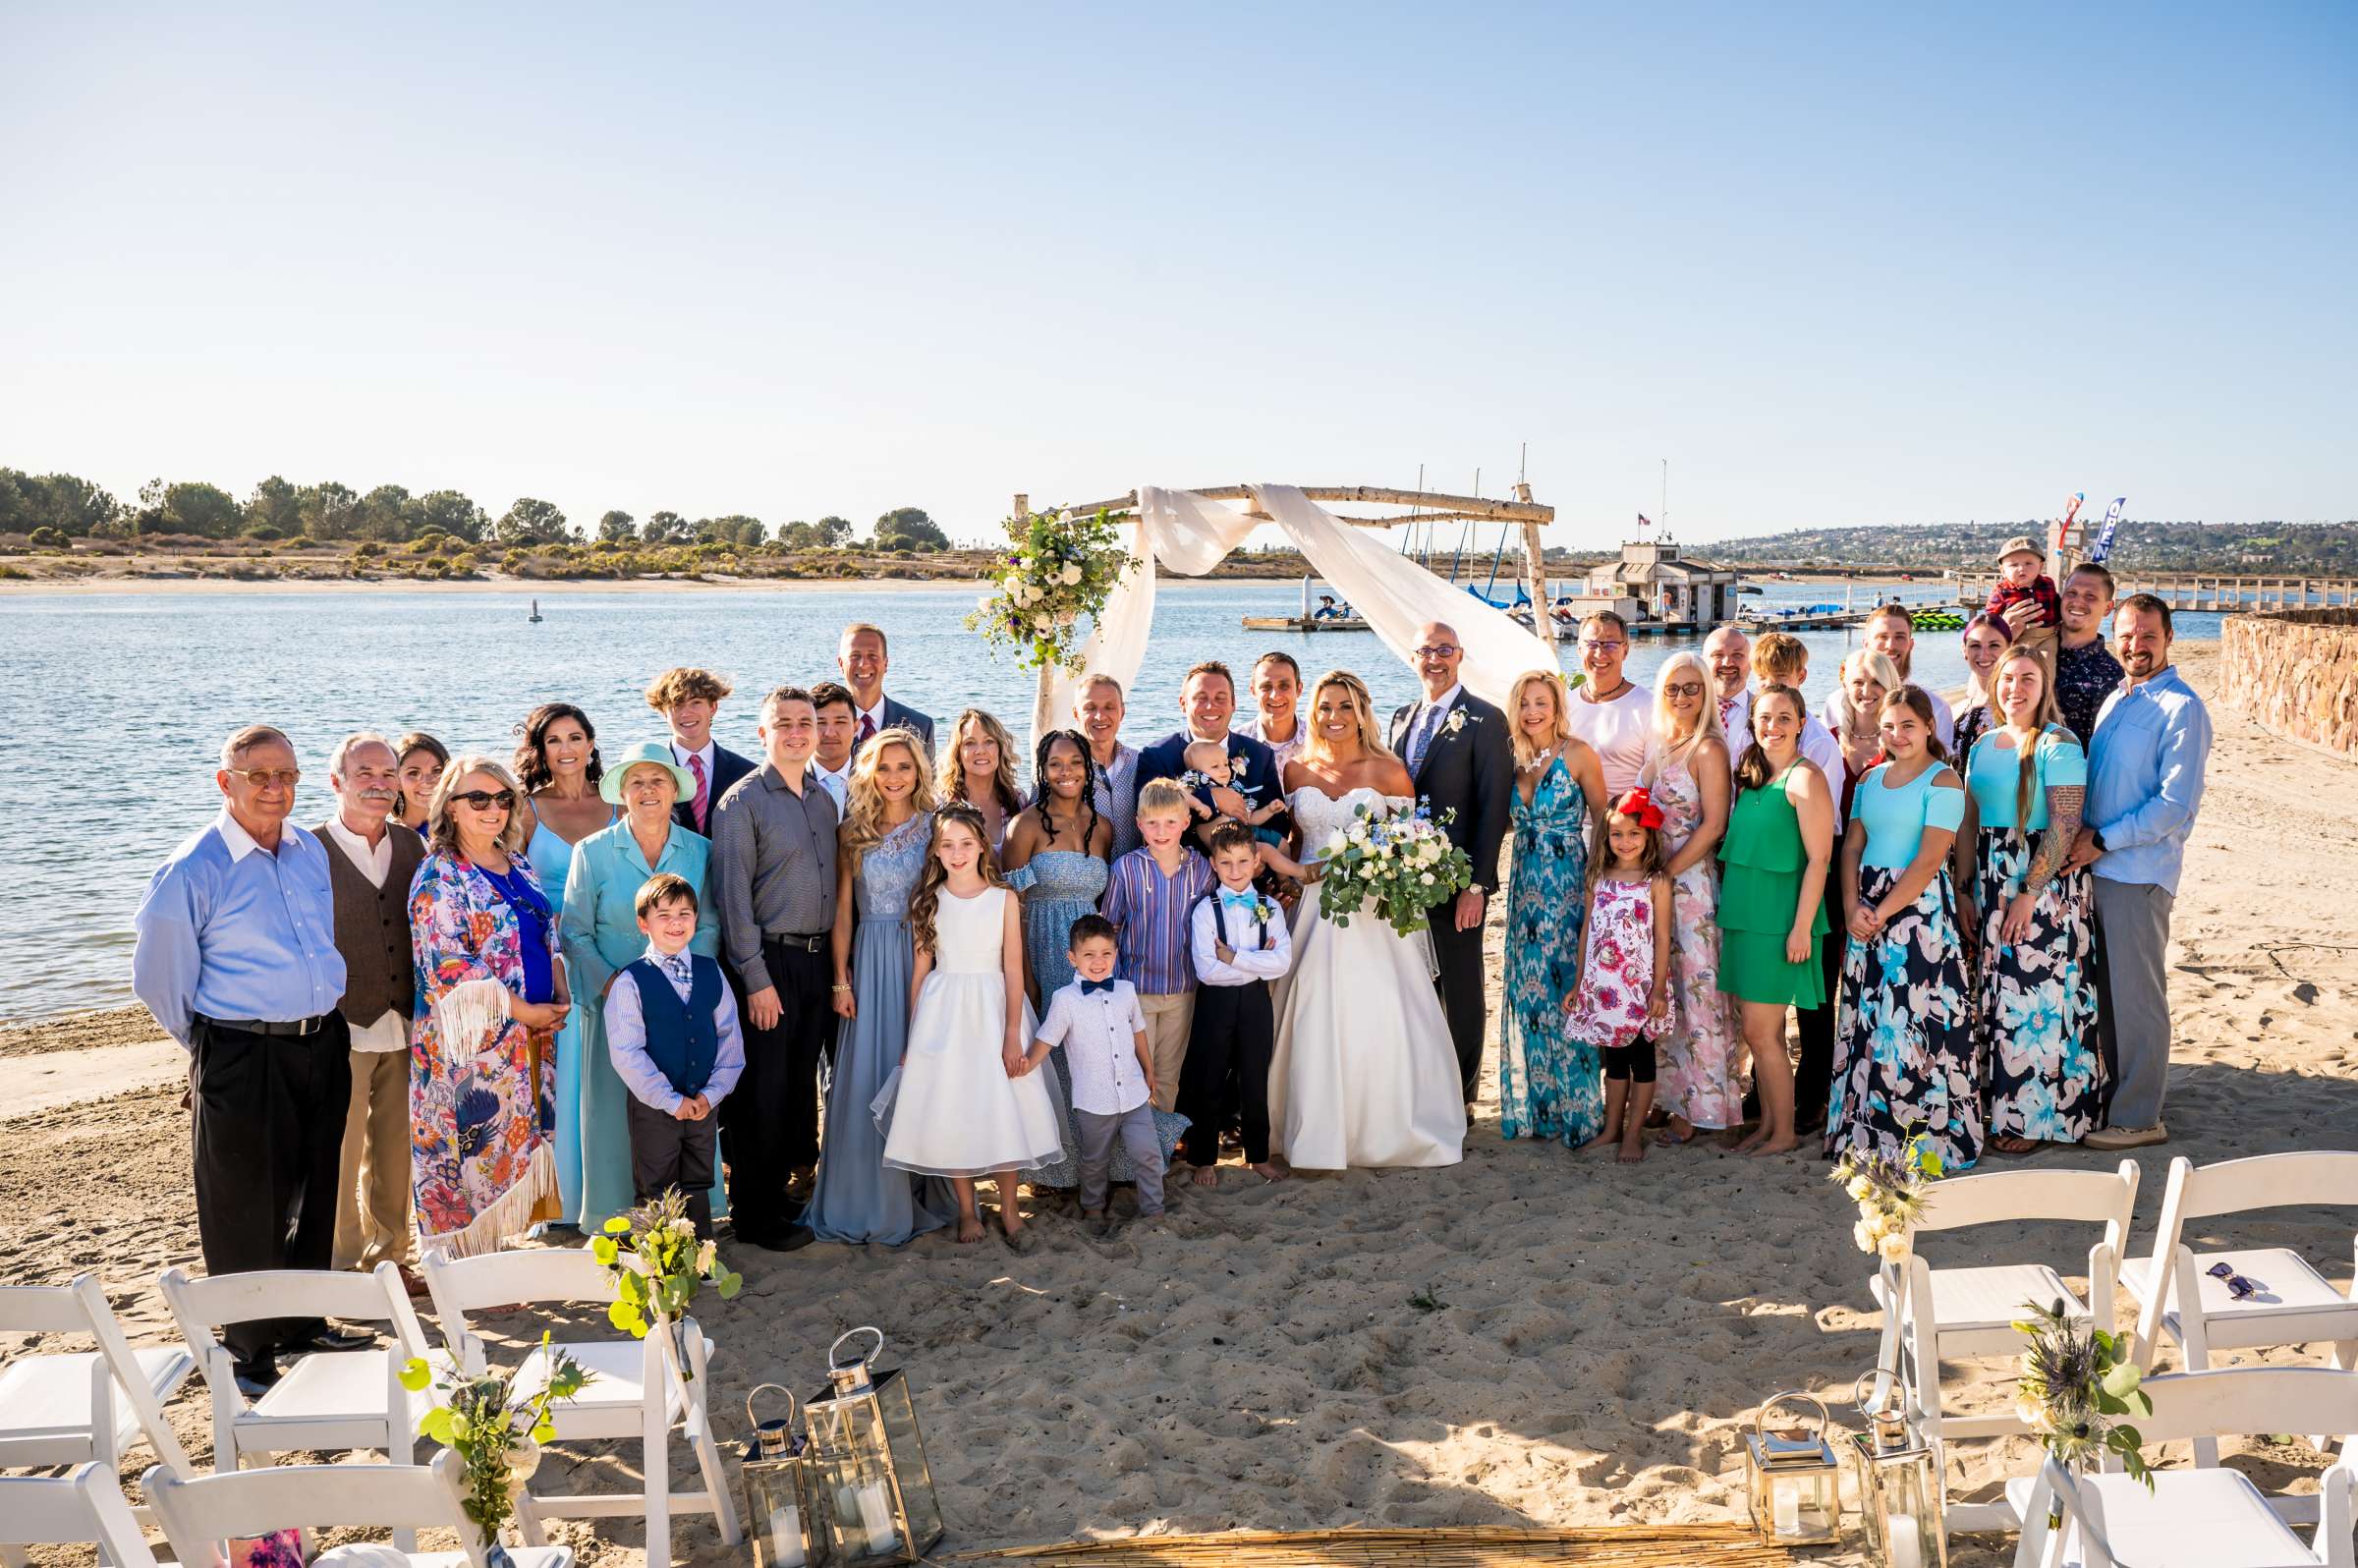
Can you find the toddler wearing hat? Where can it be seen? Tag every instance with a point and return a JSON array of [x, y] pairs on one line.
[[2022, 575]]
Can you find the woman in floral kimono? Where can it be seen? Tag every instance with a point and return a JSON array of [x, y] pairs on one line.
[[482, 1052]]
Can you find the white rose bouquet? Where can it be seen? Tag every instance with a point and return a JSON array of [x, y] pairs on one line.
[[1890, 1194], [1403, 865], [1058, 572]]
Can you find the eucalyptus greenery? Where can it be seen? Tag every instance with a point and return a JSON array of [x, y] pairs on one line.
[[477, 1420], [2076, 1378], [664, 1268], [1058, 570]]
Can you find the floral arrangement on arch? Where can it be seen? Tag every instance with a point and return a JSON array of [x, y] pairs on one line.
[[1889, 1191], [1404, 866], [1059, 570]]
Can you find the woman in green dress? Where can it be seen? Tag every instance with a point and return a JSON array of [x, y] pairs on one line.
[[1780, 839]]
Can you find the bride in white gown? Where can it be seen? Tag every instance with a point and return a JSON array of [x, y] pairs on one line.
[[1363, 1074]]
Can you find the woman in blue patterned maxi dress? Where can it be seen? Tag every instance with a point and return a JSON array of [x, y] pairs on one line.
[[1548, 1081]]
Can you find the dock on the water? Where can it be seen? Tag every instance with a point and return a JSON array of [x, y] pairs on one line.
[[2207, 591]]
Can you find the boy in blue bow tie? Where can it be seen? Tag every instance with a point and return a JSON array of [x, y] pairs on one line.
[[1098, 1021], [1239, 941], [672, 1034]]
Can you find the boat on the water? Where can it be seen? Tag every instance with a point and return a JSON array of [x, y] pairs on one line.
[[535, 617], [1330, 616]]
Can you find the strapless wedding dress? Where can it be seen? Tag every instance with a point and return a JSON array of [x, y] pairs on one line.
[[1365, 1074]]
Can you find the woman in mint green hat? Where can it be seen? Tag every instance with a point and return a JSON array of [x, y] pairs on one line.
[[601, 936]]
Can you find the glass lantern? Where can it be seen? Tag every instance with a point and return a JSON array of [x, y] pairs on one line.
[[1902, 1493], [785, 1508], [869, 1461], [1793, 1478]]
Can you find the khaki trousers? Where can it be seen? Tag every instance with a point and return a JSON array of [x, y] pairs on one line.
[[1168, 1019], [372, 1191]]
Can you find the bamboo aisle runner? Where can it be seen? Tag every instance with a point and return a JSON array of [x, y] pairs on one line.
[[1603, 1546]]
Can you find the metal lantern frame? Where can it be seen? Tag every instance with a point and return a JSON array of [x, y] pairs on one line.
[[780, 1474], [1903, 1493], [1784, 1462], [869, 1458]]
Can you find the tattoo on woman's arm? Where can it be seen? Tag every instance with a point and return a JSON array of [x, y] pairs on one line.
[[2063, 826]]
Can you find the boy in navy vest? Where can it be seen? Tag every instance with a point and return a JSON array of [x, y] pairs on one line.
[[1239, 941], [672, 1032]]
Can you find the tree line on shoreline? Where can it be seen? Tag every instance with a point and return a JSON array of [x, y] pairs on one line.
[[58, 507]]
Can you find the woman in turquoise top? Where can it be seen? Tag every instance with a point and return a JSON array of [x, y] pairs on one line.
[[2037, 1024], [557, 763], [1903, 1034], [600, 927]]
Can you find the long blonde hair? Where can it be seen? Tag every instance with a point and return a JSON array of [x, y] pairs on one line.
[[1370, 734], [1878, 668], [442, 830], [2043, 724], [925, 905], [864, 815], [1558, 733], [951, 770], [1666, 723]]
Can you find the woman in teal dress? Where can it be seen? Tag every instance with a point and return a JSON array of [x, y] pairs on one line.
[[1903, 1036], [1547, 1081], [1054, 857], [557, 763], [2036, 1022], [600, 927], [887, 827], [1772, 865]]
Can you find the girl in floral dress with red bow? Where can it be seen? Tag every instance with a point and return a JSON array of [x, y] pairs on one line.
[[1620, 997]]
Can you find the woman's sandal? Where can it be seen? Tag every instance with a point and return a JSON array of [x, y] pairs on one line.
[[2016, 1147]]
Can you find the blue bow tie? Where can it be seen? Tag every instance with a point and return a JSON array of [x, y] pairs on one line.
[[1246, 901], [1090, 988]]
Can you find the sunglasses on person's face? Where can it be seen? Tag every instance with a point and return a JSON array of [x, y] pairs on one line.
[[2238, 1287], [485, 800]]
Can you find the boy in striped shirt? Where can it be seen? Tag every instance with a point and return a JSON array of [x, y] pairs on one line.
[[1148, 898]]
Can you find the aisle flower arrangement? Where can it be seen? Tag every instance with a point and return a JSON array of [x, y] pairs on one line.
[[2076, 1379], [1403, 865], [664, 1268], [1057, 573], [497, 1440], [1889, 1193]]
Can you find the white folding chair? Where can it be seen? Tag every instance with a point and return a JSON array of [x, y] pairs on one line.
[[327, 1401], [65, 1408], [84, 1509], [240, 1505], [2206, 1517], [1957, 1312], [636, 1387]]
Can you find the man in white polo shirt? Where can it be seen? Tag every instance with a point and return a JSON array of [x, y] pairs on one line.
[[1611, 712]]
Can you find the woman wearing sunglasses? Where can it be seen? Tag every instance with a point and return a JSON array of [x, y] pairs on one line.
[[483, 1073]]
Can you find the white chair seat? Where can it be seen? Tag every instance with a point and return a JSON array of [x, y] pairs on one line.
[[1966, 1300], [364, 1554], [48, 1398], [616, 1368], [2192, 1519], [330, 1385]]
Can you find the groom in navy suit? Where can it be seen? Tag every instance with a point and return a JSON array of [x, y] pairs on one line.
[[1457, 750], [1209, 700]]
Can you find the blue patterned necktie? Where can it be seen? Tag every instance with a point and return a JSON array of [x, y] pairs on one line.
[[679, 970], [1420, 740]]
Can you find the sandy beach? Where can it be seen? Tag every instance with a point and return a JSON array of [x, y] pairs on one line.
[[1530, 1337]]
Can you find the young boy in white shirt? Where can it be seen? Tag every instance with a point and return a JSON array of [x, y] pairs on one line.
[[1239, 941], [1098, 1022]]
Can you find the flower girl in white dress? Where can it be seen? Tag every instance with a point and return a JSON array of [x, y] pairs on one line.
[[971, 1101]]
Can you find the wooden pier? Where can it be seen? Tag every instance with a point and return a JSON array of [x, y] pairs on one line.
[[2207, 591]]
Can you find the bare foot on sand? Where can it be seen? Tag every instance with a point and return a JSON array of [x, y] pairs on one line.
[[1633, 1150], [1775, 1145], [1208, 1176], [1272, 1170], [969, 1229]]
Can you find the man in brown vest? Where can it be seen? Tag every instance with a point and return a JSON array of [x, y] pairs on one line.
[[370, 868]]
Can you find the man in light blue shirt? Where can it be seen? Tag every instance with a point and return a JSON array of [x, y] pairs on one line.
[[2144, 780], [235, 954]]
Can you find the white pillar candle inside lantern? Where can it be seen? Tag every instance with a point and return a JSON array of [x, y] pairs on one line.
[[864, 1437], [1792, 1478], [781, 1499], [1901, 1491]]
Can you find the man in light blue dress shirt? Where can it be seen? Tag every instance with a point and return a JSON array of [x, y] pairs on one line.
[[2144, 780], [235, 954]]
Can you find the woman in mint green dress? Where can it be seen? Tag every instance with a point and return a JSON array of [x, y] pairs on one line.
[[1547, 1081], [1772, 866], [600, 929]]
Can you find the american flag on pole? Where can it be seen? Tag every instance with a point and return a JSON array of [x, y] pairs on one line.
[[1644, 524]]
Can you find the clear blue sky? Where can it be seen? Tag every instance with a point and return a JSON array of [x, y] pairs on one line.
[[1838, 264]]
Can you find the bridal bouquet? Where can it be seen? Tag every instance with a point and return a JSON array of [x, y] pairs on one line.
[[1403, 864], [1058, 570]]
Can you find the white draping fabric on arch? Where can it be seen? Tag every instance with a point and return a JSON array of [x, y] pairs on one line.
[[1189, 534]]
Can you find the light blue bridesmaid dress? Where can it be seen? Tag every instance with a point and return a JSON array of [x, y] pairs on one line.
[[551, 859]]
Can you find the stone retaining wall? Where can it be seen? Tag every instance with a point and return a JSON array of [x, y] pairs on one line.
[[2295, 672]]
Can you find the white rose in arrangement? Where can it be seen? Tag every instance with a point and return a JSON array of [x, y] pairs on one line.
[[706, 1256], [1426, 878], [1335, 842], [1359, 833], [1067, 617], [1045, 622], [1893, 1247], [1069, 577], [1866, 1239], [1860, 1188], [1366, 872]]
